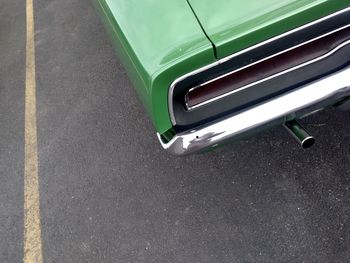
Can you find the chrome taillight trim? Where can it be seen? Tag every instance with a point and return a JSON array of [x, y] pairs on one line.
[[295, 104], [221, 61], [274, 75], [326, 55]]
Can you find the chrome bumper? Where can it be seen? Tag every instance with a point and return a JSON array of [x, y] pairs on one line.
[[295, 104]]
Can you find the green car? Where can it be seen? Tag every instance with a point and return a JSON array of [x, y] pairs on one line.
[[213, 71]]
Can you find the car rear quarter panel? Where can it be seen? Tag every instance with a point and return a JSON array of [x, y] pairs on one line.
[[157, 42]]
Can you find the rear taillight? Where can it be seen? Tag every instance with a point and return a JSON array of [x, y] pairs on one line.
[[264, 69]]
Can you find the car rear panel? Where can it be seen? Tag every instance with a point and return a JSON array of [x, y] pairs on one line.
[[233, 25], [262, 72]]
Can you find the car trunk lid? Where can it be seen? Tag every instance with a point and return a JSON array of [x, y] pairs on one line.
[[233, 25]]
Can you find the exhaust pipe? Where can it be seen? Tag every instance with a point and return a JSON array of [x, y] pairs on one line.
[[300, 134]]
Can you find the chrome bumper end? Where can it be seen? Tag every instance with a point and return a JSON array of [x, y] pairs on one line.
[[295, 104]]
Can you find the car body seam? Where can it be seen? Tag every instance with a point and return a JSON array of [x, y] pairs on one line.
[[205, 33]]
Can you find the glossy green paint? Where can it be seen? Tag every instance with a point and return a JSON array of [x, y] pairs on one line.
[[233, 25], [157, 42]]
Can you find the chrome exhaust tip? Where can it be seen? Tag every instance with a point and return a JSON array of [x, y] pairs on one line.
[[300, 134]]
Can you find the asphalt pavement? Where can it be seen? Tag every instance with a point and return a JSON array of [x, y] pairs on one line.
[[109, 193]]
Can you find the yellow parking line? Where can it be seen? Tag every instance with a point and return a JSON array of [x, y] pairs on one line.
[[32, 225]]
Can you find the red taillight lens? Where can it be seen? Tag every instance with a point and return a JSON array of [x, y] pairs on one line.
[[241, 78]]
